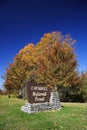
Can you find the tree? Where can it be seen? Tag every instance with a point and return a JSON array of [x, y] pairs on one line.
[[83, 86], [18, 72], [52, 61], [56, 61]]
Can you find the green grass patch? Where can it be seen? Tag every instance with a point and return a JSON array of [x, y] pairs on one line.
[[73, 116]]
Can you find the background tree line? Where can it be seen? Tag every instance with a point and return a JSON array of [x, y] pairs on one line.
[[52, 61]]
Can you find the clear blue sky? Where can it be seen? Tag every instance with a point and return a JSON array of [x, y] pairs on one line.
[[25, 21]]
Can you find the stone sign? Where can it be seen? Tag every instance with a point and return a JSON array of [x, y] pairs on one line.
[[40, 98], [37, 93]]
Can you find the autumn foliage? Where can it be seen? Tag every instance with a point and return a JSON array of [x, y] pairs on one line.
[[52, 61]]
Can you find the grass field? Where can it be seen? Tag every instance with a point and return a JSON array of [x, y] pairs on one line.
[[73, 116]]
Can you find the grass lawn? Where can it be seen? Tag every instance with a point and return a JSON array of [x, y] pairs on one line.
[[73, 116]]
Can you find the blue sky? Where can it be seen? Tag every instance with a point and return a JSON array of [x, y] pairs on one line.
[[25, 21]]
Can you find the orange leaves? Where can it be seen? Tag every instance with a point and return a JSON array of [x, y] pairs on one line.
[[51, 61], [27, 49], [60, 58], [27, 52]]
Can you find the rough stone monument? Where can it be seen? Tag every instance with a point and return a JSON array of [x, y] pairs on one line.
[[40, 98]]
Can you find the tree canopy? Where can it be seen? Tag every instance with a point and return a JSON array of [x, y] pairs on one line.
[[52, 61]]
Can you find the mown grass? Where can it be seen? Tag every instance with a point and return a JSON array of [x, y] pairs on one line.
[[73, 116]]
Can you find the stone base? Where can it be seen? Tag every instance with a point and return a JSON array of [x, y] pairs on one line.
[[54, 104]]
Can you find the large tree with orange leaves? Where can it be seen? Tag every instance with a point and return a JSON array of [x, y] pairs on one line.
[[52, 61], [56, 63], [19, 71]]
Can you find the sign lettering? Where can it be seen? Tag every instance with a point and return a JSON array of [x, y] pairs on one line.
[[38, 93]]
